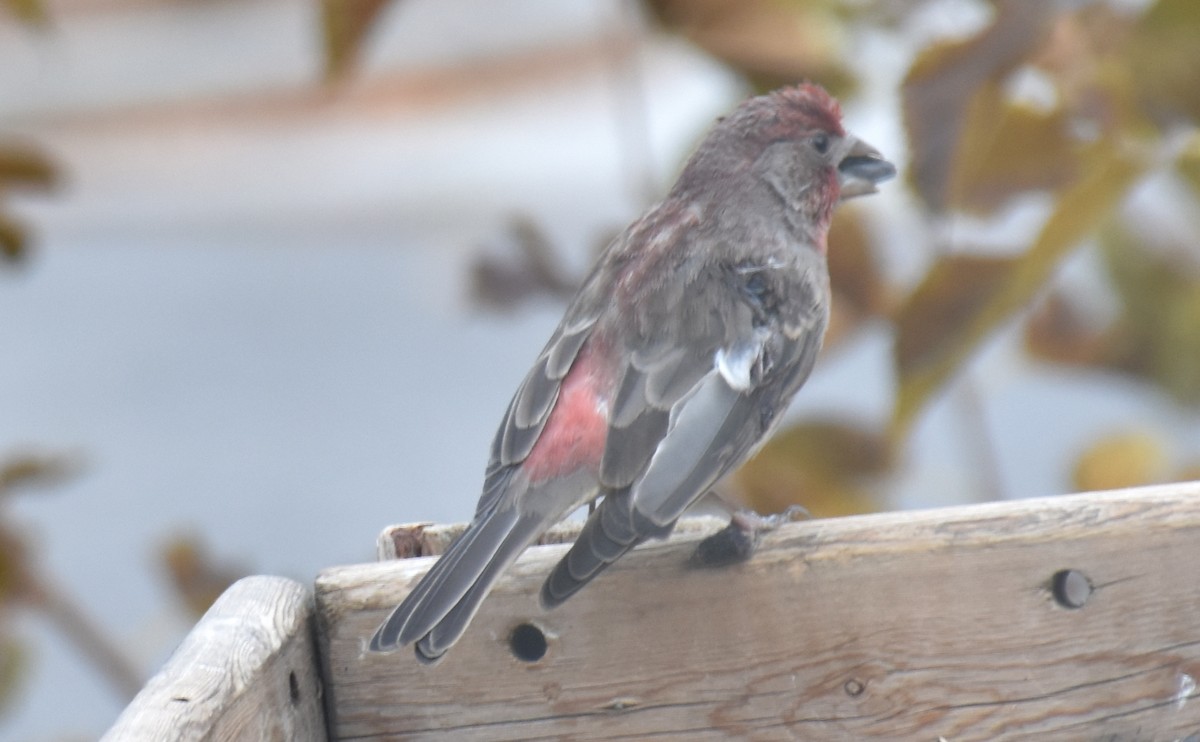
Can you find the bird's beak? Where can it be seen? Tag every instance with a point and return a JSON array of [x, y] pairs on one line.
[[862, 168]]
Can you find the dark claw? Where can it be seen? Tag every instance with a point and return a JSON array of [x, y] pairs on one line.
[[736, 542], [730, 545]]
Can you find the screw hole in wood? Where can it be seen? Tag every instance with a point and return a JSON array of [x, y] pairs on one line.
[[527, 642], [1071, 588]]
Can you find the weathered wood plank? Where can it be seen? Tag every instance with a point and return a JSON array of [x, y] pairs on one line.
[[247, 671], [431, 539], [894, 626]]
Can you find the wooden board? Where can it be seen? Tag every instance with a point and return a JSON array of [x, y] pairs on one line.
[[247, 671], [917, 625]]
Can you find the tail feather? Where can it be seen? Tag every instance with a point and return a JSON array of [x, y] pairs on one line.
[[442, 635], [609, 533], [446, 582]]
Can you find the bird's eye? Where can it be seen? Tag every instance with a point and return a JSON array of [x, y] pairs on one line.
[[821, 143]]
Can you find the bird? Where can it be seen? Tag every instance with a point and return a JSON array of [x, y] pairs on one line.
[[673, 362]]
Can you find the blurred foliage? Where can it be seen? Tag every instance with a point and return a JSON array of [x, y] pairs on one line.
[[1154, 336], [1120, 460], [14, 665], [30, 12], [345, 27], [830, 466], [860, 292], [24, 168], [956, 115], [770, 43], [1159, 326], [503, 279], [964, 299], [193, 573], [18, 576]]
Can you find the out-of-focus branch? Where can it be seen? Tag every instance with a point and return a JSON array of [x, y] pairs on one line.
[[38, 593]]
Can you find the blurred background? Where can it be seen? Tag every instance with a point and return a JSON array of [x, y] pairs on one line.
[[270, 270]]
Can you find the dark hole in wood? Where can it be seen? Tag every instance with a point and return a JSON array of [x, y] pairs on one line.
[[293, 688], [528, 643], [1071, 588]]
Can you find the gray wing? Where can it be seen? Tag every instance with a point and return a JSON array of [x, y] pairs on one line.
[[438, 609], [705, 383], [531, 406]]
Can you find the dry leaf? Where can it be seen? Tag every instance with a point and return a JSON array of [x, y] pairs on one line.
[[942, 322], [1160, 297], [942, 82], [1006, 149], [31, 12], [1188, 473], [197, 579], [27, 167], [14, 566], [1188, 163], [14, 240], [854, 272], [1085, 58], [37, 470], [772, 43], [1164, 56], [963, 300], [345, 25], [1118, 461], [826, 466], [14, 668], [1059, 332]]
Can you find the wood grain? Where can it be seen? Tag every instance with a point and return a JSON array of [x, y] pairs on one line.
[[914, 625], [247, 671]]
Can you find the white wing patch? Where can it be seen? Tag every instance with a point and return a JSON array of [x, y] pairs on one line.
[[736, 363]]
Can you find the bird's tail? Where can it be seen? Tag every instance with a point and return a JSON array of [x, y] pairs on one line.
[[437, 611], [612, 530]]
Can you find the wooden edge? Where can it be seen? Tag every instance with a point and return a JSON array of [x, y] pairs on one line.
[[902, 625], [412, 540], [992, 522], [247, 670]]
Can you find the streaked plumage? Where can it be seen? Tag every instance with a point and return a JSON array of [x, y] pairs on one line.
[[673, 362]]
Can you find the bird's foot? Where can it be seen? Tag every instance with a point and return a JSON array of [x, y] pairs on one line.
[[736, 542]]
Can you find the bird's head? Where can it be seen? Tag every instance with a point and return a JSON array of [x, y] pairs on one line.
[[792, 143]]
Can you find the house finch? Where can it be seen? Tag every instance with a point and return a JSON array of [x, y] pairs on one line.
[[674, 361]]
